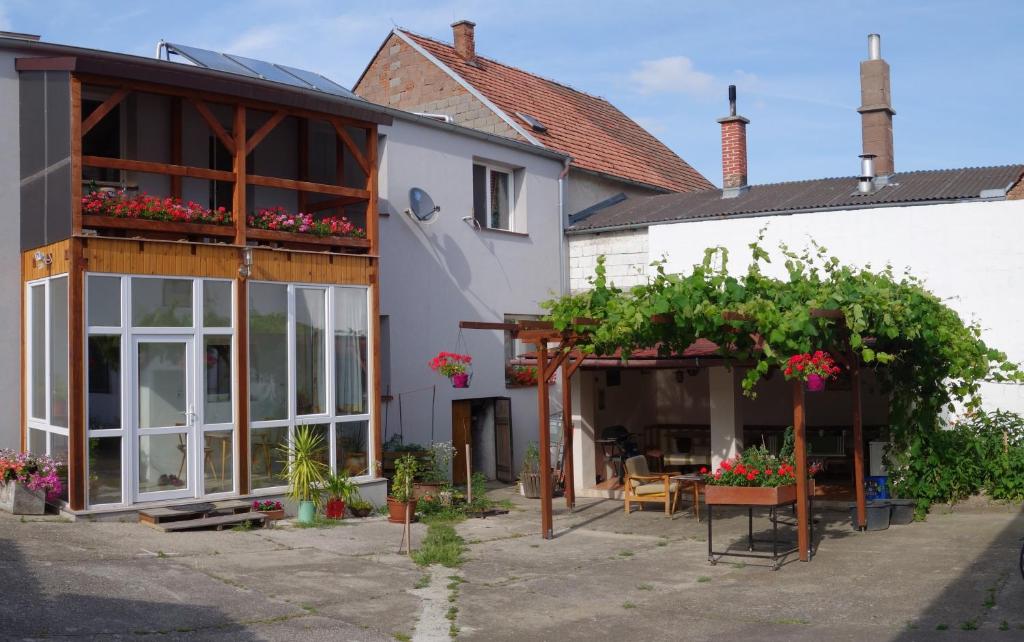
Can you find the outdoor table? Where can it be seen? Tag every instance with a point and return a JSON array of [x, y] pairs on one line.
[[773, 515], [696, 482]]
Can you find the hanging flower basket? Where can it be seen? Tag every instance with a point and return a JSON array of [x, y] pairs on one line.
[[454, 366], [814, 369]]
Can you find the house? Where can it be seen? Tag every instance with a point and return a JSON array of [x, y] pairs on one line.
[[612, 155], [169, 356], [958, 229]]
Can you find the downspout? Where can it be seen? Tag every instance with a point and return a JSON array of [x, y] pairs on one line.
[[563, 240]]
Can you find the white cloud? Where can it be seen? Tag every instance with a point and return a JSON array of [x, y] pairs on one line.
[[674, 74]]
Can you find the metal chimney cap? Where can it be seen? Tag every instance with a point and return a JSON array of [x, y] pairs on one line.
[[874, 46]]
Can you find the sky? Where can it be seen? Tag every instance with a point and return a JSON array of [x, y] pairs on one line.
[[956, 64]]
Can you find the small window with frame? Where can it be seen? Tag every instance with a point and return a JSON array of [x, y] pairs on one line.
[[493, 197]]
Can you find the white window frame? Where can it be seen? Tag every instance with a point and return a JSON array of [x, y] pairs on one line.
[[40, 423], [489, 168]]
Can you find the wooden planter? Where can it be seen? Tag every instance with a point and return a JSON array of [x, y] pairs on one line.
[[16, 498], [421, 489], [293, 238], [749, 495], [172, 228]]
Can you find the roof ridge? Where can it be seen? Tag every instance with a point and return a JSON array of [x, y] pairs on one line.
[[508, 66]]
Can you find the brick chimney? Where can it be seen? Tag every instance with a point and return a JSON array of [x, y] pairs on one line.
[[465, 44], [734, 150], [875, 109]]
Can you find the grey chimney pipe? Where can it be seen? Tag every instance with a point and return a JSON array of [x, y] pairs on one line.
[[732, 100], [874, 46], [866, 185]]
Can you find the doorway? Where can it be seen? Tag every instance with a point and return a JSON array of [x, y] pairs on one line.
[[486, 426]]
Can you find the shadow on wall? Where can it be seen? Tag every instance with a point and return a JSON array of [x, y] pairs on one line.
[[29, 611]]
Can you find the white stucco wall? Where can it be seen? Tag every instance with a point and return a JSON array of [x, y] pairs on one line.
[[10, 250], [969, 254], [626, 257], [433, 276]]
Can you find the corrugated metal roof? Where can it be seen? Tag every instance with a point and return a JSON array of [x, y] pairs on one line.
[[801, 196]]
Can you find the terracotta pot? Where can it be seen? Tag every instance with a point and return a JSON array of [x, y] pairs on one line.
[[335, 509], [274, 515], [815, 383], [396, 511], [749, 495], [460, 380], [422, 489]]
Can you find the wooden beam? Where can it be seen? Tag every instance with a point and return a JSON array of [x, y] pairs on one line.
[[800, 455], [818, 313], [242, 387], [732, 315], [373, 189], [530, 324], [226, 139], [176, 144], [76, 377], [105, 108], [485, 325], [575, 365], [76, 156], [544, 431], [23, 335], [319, 188], [535, 336], [265, 130], [567, 437], [157, 168], [346, 139], [376, 424], [239, 208], [858, 442]]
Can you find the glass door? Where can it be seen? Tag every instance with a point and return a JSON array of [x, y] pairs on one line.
[[163, 417]]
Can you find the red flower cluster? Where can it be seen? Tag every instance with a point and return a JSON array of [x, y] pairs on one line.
[[820, 363], [266, 505], [735, 472], [450, 363], [151, 208], [280, 219]]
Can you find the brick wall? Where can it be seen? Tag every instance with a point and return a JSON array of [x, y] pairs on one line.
[[626, 258], [734, 153], [403, 78]]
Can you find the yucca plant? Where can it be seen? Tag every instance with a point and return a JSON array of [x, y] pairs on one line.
[[304, 470]]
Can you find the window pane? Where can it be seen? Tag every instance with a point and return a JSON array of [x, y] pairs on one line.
[[36, 441], [268, 457], [217, 304], [323, 431], [105, 470], [59, 352], [480, 194], [268, 351], [351, 446], [218, 449], [310, 369], [162, 462], [163, 397], [58, 447], [500, 215], [104, 305], [350, 351], [104, 382], [38, 330], [165, 303], [217, 394]]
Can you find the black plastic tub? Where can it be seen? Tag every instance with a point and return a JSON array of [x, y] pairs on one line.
[[878, 513], [902, 511]]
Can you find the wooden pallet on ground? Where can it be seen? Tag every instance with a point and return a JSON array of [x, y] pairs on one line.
[[190, 512], [218, 522]]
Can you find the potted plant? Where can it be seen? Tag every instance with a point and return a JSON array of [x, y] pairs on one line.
[[529, 474], [812, 368], [28, 481], [340, 489], [401, 500], [454, 366], [269, 507], [435, 471], [359, 507], [753, 477], [305, 471]]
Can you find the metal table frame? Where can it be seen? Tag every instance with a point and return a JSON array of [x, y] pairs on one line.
[[773, 515]]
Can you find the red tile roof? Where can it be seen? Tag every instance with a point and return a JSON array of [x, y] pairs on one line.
[[599, 137]]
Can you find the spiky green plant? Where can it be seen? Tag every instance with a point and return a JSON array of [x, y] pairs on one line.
[[304, 470]]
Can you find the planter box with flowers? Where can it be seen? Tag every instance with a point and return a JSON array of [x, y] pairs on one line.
[[27, 482], [453, 366], [522, 377], [269, 507], [278, 224], [111, 209], [814, 369], [753, 478]]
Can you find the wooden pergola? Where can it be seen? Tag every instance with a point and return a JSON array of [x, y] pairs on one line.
[[568, 359]]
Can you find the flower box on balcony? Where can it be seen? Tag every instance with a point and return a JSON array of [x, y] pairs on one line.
[[161, 227], [749, 495], [307, 239]]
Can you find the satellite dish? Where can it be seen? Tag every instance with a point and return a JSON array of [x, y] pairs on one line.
[[421, 206]]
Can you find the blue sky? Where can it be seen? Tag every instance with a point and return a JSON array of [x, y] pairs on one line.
[[957, 86]]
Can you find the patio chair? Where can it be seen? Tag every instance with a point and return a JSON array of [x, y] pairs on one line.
[[641, 486]]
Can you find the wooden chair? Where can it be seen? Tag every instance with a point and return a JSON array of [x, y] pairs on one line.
[[641, 486]]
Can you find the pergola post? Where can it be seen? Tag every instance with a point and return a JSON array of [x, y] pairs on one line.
[[800, 457], [544, 430], [858, 443], [567, 435]]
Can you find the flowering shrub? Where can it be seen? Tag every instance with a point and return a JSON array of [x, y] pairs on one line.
[[521, 375], [266, 505], [448, 364], [280, 219], [37, 472], [801, 366], [756, 467], [151, 208]]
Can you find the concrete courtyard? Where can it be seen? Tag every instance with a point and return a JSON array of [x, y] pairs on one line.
[[605, 576]]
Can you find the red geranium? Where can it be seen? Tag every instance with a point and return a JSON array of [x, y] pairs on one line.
[[801, 366]]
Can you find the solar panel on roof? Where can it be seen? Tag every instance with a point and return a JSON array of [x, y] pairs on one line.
[[210, 60], [269, 71], [319, 82], [533, 122]]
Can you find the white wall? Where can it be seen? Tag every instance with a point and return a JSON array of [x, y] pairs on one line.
[[626, 258], [433, 276], [10, 249], [585, 189], [969, 254]]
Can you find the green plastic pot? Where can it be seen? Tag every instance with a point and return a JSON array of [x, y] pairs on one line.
[[307, 512]]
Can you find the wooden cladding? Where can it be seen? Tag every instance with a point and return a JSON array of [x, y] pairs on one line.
[[162, 258], [56, 260]]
